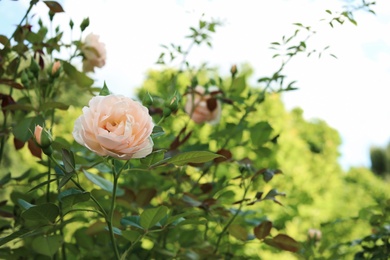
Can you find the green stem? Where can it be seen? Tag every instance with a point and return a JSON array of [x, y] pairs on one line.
[[48, 180], [230, 221], [111, 218], [113, 202], [123, 257]]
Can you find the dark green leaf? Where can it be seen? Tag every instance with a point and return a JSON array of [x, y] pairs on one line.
[[47, 245], [42, 184], [133, 221], [150, 217], [104, 91], [5, 179], [17, 234], [25, 128], [44, 213], [73, 196], [68, 160], [157, 131], [131, 235]]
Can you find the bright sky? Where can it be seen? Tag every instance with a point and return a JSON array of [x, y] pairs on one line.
[[351, 93]]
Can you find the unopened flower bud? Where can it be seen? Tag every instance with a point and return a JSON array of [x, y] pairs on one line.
[[55, 68], [167, 111], [84, 24], [42, 137], [233, 70], [174, 105]]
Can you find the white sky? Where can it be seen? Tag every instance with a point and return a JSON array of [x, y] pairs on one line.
[[351, 93]]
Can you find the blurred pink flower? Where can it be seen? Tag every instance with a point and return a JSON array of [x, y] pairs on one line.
[[203, 107], [56, 66], [115, 126], [37, 134], [314, 234], [94, 53]]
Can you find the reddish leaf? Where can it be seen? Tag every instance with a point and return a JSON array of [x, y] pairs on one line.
[[34, 149], [227, 155], [18, 144], [11, 83], [6, 100], [207, 203], [206, 187], [144, 196], [54, 6], [211, 104], [263, 230], [283, 242]]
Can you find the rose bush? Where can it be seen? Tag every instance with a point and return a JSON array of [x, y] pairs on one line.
[[115, 126], [203, 107], [94, 53]]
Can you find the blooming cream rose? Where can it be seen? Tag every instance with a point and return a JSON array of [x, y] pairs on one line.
[[94, 53], [203, 107], [115, 126]]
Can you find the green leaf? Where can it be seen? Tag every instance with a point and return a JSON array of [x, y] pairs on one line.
[[157, 131], [238, 232], [272, 194], [153, 158], [131, 235], [25, 204], [239, 85], [103, 183], [57, 105], [25, 128], [43, 213], [150, 217], [263, 230], [17, 234], [104, 91], [192, 157], [283, 242], [47, 245], [80, 78], [68, 160], [133, 221], [5, 179], [54, 6], [173, 219], [73, 196], [64, 180], [42, 184], [260, 133]]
